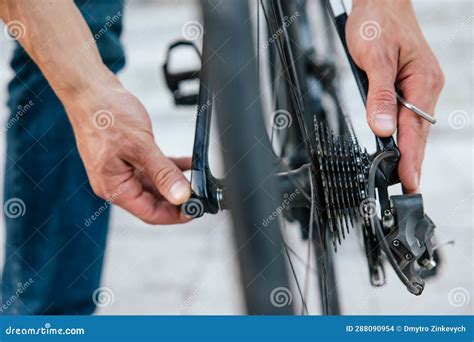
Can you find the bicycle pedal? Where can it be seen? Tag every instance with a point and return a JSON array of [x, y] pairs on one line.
[[175, 80]]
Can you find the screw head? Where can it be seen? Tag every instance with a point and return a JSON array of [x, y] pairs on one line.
[[396, 243], [408, 256]]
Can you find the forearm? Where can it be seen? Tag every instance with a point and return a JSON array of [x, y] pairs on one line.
[[59, 41]]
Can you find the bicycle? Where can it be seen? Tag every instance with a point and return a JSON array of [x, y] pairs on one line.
[[305, 166]]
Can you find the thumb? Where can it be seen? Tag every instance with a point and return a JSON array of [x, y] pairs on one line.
[[382, 107], [165, 175]]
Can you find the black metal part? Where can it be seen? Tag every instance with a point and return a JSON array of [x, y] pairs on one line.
[[410, 239], [174, 79], [207, 191]]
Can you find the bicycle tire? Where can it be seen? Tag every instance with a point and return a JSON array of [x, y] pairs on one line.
[[248, 161]]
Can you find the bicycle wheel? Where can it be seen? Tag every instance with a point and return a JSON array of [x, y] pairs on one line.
[[316, 81], [266, 260]]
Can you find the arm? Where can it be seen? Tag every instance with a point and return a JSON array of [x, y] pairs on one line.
[[385, 40], [112, 128]]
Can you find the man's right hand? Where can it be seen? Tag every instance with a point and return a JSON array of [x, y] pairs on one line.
[[124, 164]]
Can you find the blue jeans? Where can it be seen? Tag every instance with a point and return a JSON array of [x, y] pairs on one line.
[[53, 258]]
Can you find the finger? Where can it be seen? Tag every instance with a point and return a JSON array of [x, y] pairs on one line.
[[382, 109], [146, 206], [167, 177], [184, 163], [413, 131]]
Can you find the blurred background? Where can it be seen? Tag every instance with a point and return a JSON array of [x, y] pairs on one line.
[[192, 269]]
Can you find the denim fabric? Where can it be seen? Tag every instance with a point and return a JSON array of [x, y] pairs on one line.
[[54, 254]]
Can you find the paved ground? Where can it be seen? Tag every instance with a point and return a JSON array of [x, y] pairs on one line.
[[191, 269]]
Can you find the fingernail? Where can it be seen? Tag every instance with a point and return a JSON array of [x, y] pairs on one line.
[[180, 191], [385, 122]]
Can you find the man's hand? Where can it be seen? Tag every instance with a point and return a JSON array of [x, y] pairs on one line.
[[385, 41], [124, 164], [112, 128]]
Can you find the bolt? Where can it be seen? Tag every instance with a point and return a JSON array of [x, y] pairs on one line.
[[408, 256], [396, 243], [388, 221]]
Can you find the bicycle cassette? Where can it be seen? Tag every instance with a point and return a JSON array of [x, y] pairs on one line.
[[396, 225]]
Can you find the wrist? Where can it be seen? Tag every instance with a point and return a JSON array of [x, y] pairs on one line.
[[86, 97], [87, 84]]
